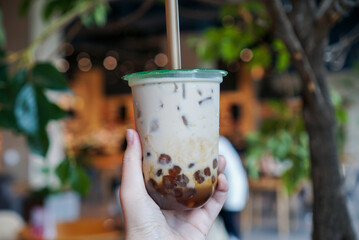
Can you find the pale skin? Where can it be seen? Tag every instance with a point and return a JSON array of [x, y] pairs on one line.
[[145, 220]]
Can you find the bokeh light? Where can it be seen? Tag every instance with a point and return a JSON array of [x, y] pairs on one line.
[[110, 63], [62, 65], [67, 49], [84, 64], [161, 60], [246, 55]]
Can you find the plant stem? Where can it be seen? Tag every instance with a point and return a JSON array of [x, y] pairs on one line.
[[26, 54]]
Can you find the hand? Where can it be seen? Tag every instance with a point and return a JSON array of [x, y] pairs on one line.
[[145, 220]]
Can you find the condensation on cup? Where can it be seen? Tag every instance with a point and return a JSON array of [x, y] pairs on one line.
[[177, 117]]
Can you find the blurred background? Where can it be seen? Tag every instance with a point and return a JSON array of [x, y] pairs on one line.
[[64, 110]]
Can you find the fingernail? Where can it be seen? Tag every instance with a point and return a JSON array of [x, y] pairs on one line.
[[129, 136]]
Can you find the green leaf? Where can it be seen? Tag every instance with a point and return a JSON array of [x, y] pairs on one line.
[[46, 76], [2, 32], [73, 175], [253, 137], [63, 171], [18, 80], [2, 55], [5, 92], [96, 17], [252, 162], [341, 115], [51, 7], [283, 56], [39, 143], [5, 97], [26, 111], [231, 10], [7, 119], [87, 20], [79, 180], [3, 74], [261, 56], [254, 6], [58, 7], [48, 110], [100, 14], [24, 7], [56, 112]]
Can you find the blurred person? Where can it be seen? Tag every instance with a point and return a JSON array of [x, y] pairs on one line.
[[238, 188], [143, 217]]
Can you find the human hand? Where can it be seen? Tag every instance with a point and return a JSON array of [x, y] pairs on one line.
[[143, 217]]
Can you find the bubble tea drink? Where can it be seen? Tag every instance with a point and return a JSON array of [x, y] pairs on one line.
[[177, 117]]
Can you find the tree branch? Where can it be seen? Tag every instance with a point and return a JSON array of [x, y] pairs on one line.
[[286, 33], [332, 10], [139, 12], [312, 6], [336, 54], [26, 55], [301, 17], [324, 8]]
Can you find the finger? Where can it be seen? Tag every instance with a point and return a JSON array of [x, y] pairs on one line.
[[215, 204], [132, 178], [221, 164], [204, 217]]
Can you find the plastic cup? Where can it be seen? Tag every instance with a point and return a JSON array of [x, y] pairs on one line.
[[177, 118]]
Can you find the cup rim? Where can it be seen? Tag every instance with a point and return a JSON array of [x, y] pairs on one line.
[[201, 74]]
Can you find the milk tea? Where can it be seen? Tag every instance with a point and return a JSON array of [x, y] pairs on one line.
[[177, 117]]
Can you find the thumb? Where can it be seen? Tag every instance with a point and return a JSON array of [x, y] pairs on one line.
[[132, 184]]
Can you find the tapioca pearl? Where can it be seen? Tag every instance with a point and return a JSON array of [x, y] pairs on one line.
[[181, 180], [159, 172], [215, 163], [178, 108], [191, 165], [207, 171], [168, 181], [164, 159], [198, 177], [189, 193], [174, 171], [213, 179], [148, 154]]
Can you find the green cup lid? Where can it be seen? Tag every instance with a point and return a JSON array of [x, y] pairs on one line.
[[176, 75]]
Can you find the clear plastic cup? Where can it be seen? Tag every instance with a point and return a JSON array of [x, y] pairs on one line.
[[177, 117]]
